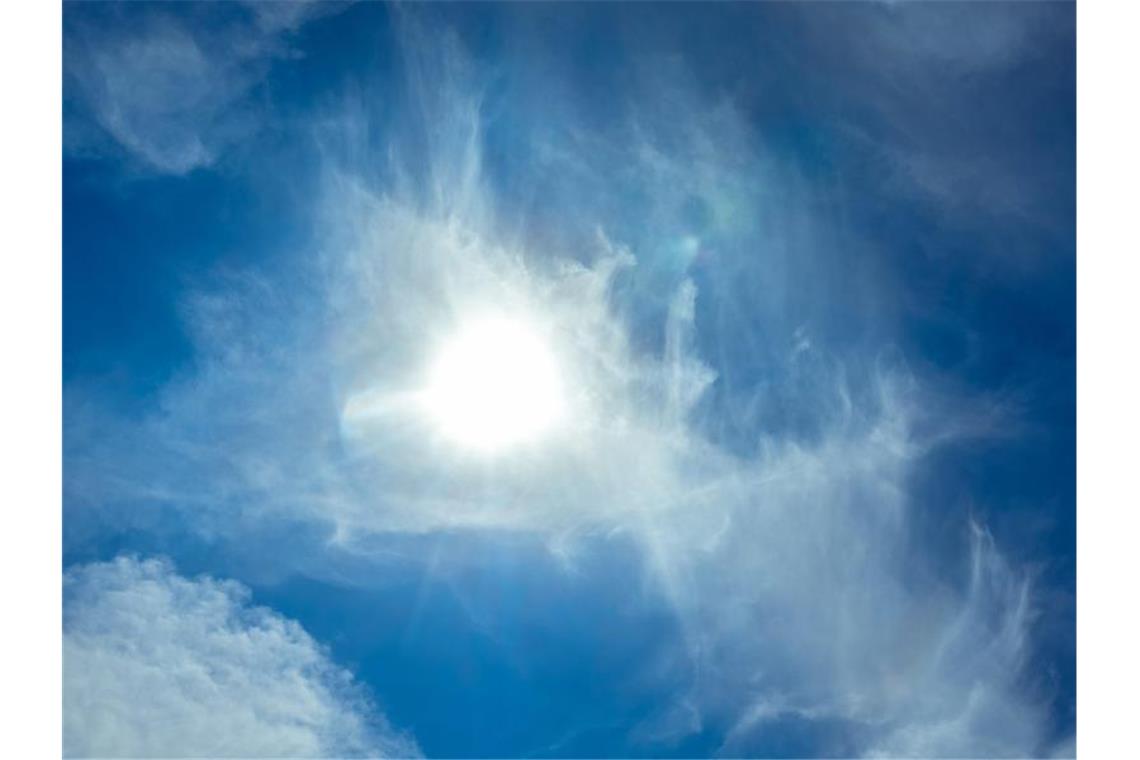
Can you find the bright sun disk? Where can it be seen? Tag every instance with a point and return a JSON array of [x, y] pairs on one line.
[[495, 384]]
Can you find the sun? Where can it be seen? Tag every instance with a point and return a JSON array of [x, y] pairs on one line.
[[495, 385]]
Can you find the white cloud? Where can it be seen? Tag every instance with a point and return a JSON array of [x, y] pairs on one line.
[[948, 150], [157, 665], [172, 89]]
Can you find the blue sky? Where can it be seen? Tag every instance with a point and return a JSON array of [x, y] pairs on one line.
[[808, 274]]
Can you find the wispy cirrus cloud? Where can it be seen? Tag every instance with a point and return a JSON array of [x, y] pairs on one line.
[[170, 90], [925, 78]]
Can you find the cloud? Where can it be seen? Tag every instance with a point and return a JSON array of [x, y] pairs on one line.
[[159, 665], [759, 457], [172, 89], [939, 83], [935, 676]]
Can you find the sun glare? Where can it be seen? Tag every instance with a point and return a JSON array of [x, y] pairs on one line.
[[495, 384]]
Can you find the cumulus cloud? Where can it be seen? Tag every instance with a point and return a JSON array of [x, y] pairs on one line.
[[788, 555], [158, 665]]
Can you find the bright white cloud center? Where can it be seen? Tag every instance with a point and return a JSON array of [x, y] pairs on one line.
[[495, 384]]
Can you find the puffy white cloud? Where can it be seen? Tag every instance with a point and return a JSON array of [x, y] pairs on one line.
[[158, 665]]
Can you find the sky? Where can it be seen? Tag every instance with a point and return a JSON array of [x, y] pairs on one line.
[[577, 380]]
